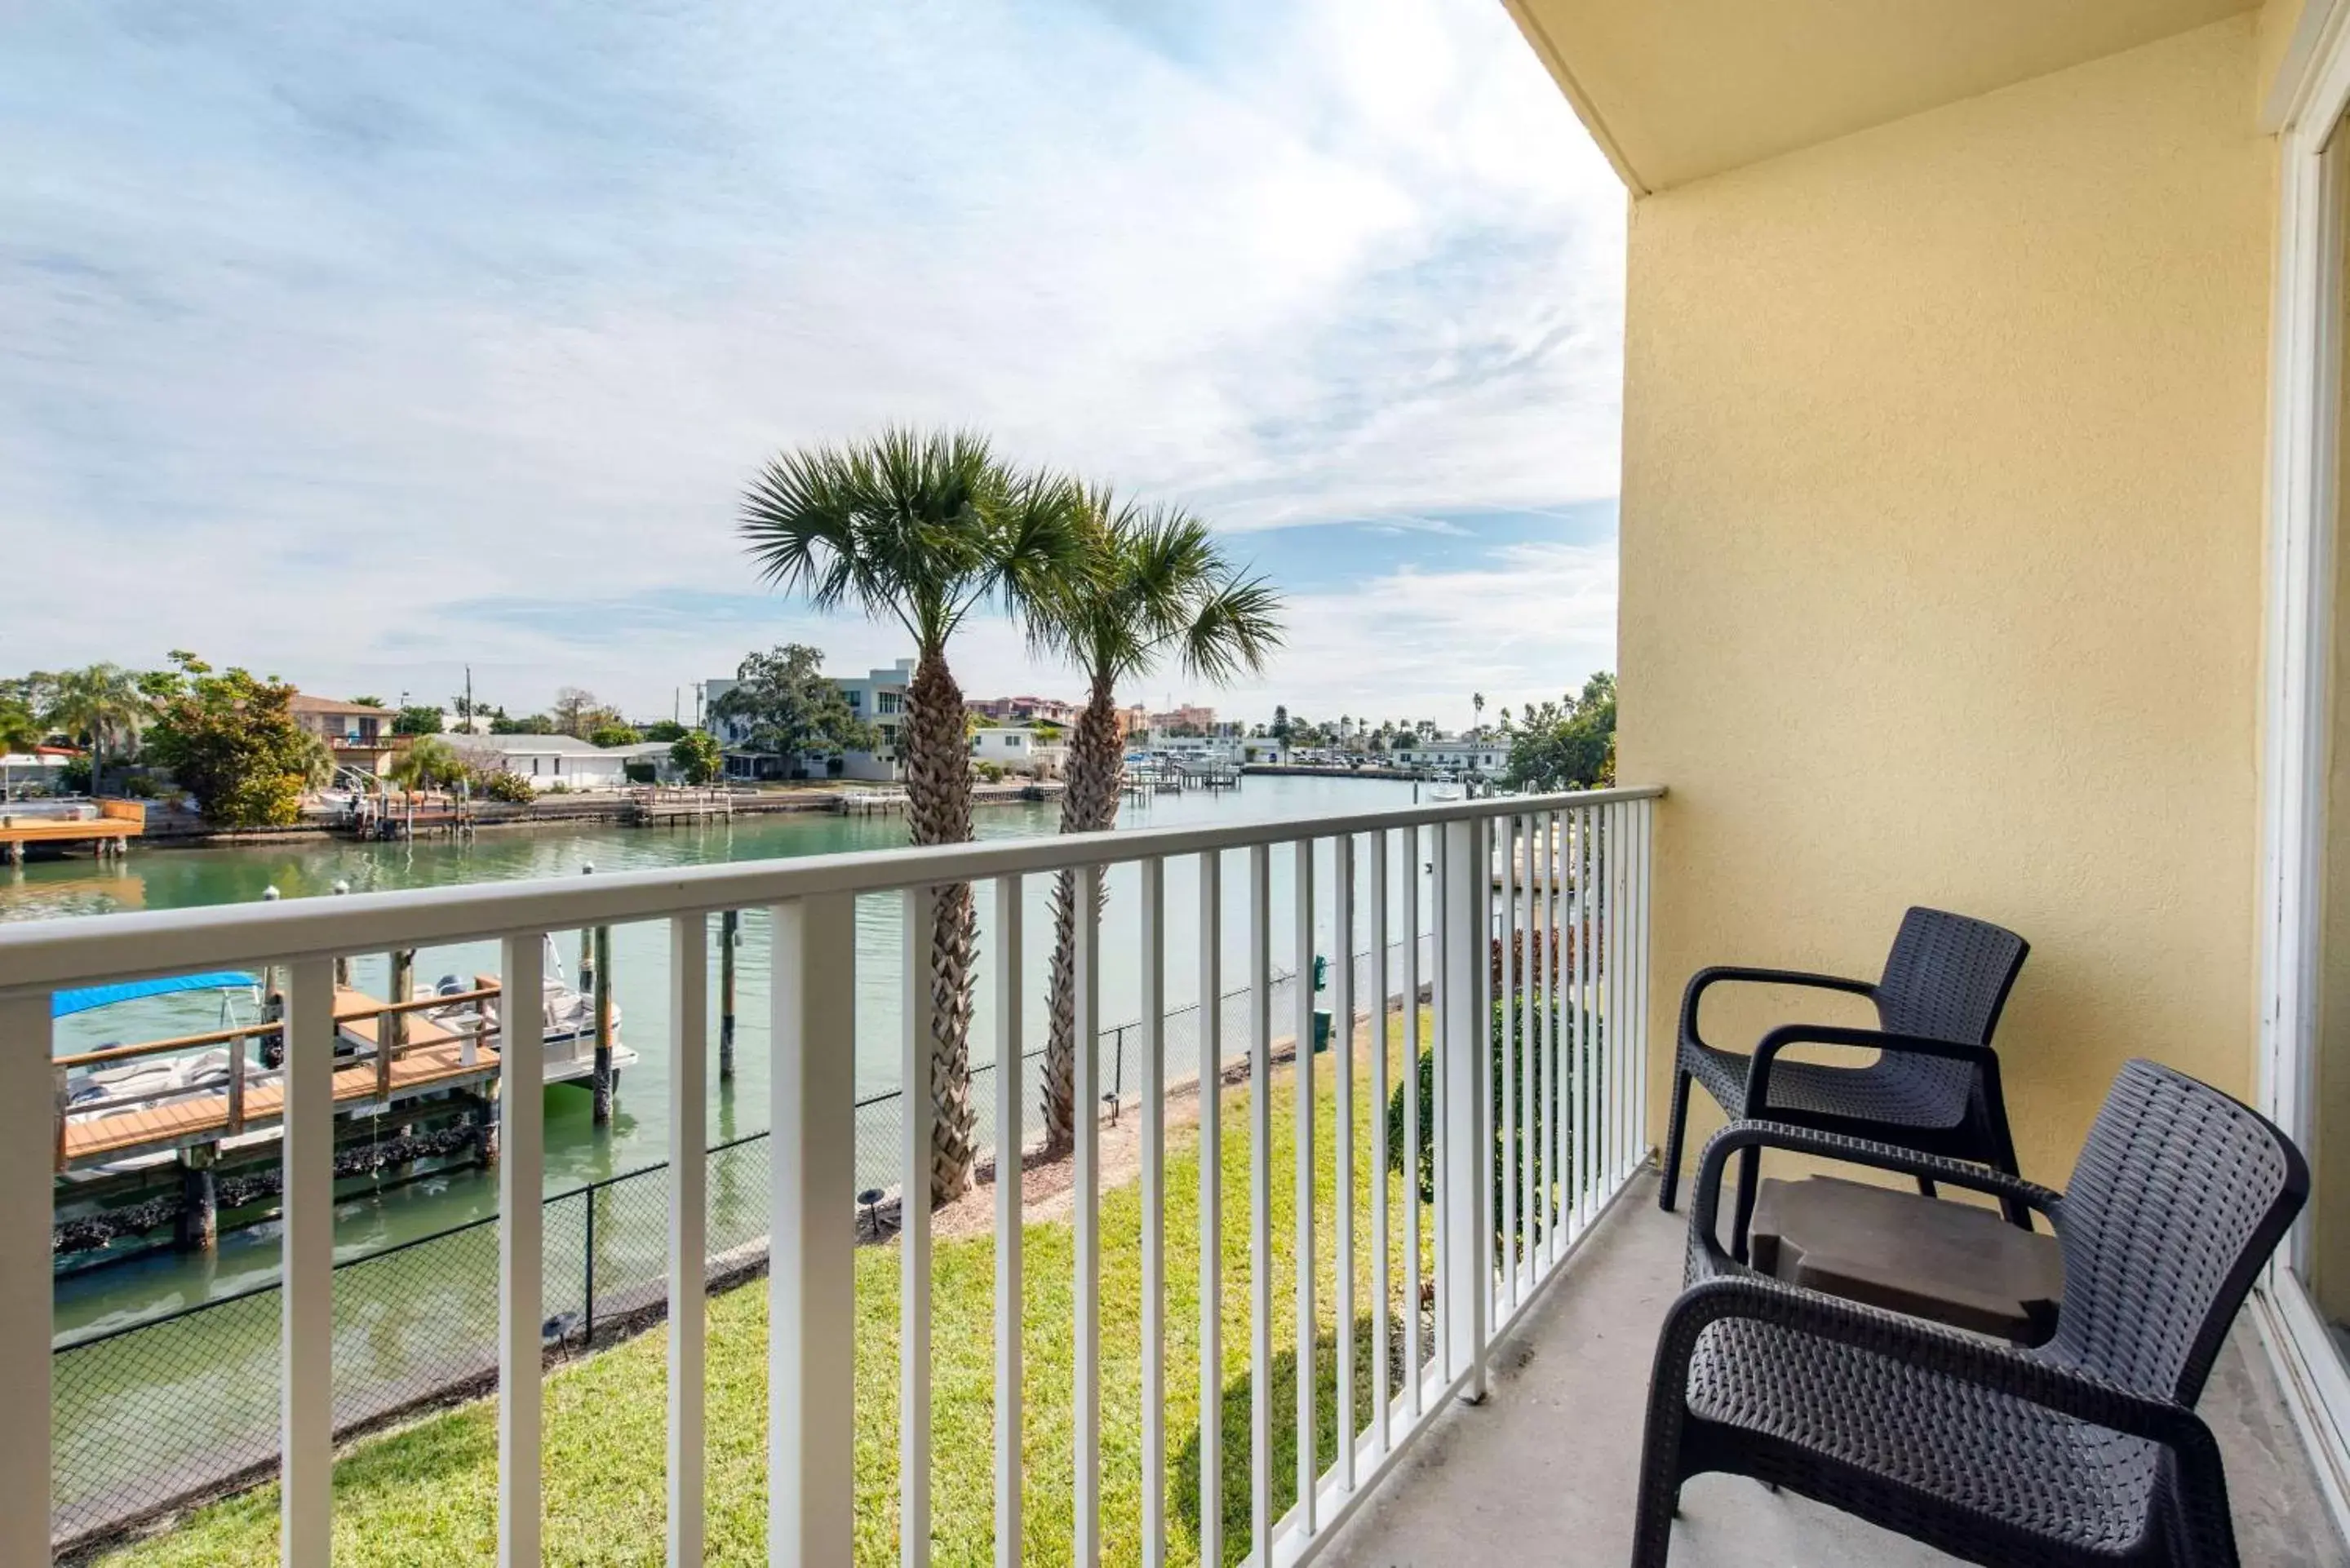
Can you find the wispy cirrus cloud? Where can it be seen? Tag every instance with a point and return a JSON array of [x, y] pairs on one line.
[[371, 341]]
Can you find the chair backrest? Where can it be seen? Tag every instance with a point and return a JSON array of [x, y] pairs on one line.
[[2179, 1195], [1947, 976]]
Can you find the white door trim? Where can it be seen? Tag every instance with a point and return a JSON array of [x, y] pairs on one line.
[[2306, 358]]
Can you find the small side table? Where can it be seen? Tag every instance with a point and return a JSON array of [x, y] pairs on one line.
[[1953, 1262]]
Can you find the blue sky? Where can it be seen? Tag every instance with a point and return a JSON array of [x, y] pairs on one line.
[[359, 342]]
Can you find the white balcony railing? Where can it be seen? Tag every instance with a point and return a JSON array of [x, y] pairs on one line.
[[1536, 910]]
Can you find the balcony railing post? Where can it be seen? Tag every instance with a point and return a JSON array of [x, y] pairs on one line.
[[812, 1306], [522, 1260], [26, 1146], [689, 1218], [1464, 1143], [305, 1442]]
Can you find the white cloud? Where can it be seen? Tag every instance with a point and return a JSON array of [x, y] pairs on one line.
[[336, 327], [1524, 624]]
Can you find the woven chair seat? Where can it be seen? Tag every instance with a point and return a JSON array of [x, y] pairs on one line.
[[1955, 1444], [1925, 1095]]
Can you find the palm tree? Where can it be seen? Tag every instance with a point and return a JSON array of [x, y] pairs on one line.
[[428, 760], [19, 730], [103, 702], [1154, 585], [921, 530], [1477, 701]]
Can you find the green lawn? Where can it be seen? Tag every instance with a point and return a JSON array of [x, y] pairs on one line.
[[427, 1494]]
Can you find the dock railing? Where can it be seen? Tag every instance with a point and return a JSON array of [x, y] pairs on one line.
[[204, 1116], [1534, 1120]]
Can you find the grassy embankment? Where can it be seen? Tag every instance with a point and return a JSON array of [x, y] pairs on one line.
[[427, 1494]]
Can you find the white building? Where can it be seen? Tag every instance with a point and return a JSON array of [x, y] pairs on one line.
[[547, 760], [1218, 750], [1018, 749], [879, 697], [1485, 756]]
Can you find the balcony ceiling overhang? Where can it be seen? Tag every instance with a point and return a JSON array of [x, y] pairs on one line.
[[1674, 91]]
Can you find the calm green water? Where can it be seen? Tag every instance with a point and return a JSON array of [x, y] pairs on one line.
[[579, 1152]]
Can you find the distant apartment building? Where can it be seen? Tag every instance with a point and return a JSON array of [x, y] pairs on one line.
[[1024, 709], [878, 697], [1187, 719], [357, 733]]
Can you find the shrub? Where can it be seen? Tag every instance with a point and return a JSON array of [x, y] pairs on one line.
[[510, 786], [1425, 1179], [696, 756]]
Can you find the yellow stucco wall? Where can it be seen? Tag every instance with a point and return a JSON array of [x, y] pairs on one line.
[[1942, 559]]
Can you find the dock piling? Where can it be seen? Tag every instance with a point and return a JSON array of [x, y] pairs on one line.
[[730, 931], [197, 1227], [603, 949]]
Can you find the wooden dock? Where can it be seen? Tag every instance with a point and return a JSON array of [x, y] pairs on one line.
[[109, 832], [650, 806], [869, 802], [425, 1058]]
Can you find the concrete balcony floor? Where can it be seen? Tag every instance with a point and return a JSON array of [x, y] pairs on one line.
[[1545, 1470]]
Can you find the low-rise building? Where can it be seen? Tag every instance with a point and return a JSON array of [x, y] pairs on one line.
[[1018, 749], [1217, 749], [357, 733], [547, 760], [1484, 756], [877, 697]]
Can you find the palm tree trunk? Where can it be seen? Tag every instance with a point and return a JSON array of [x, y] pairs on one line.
[[1088, 805], [937, 809]]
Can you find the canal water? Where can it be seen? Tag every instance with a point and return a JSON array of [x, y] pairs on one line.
[[577, 1152]]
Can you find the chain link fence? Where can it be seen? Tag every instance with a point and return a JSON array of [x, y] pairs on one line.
[[150, 1416]]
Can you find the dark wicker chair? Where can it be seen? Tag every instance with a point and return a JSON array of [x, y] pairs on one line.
[[1933, 1088], [2084, 1450]]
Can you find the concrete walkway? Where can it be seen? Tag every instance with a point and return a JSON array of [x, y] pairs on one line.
[[1545, 1470]]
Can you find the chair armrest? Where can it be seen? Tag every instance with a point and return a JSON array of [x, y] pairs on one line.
[[1705, 979], [1938, 1351], [1758, 1073], [1715, 1160]]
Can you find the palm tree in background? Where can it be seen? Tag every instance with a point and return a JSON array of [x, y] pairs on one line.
[[19, 730], [1154, 585], [1477, 701], [428, 760], [921, 529], [102, 702]]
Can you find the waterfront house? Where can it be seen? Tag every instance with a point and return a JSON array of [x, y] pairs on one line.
[[359, 733], [548, 761], [1016, 748], [877, 697], [1983, 430]]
